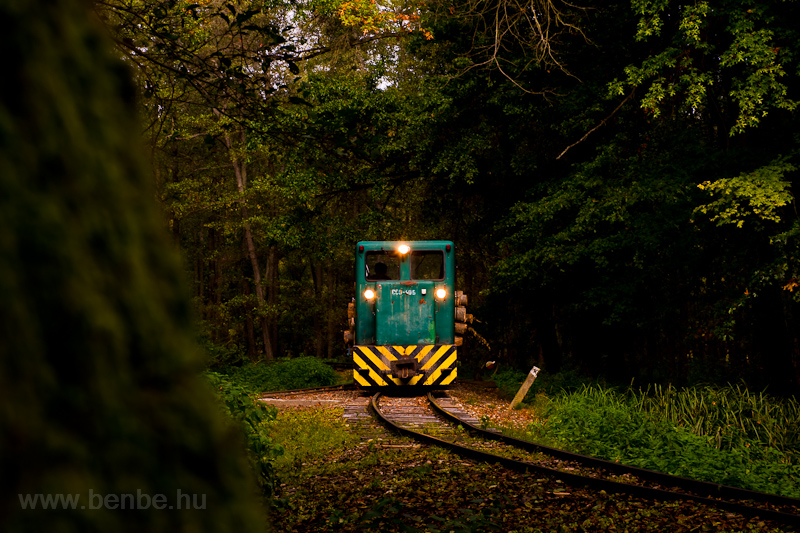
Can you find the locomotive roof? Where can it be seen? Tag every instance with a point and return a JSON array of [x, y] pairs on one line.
[[378, 245]]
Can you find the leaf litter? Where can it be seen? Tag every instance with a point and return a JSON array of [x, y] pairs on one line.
[[381, 482]]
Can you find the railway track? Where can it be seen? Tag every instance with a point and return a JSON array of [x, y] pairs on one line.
[[437, 420], [312, 390], [326, 396]]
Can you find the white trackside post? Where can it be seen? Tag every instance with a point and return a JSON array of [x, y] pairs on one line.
[[523, 390]]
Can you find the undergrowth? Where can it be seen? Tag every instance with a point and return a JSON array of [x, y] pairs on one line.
[[388, 484], [509, 381], [298, 373], [308, 435], [253, 416], [718, 434]]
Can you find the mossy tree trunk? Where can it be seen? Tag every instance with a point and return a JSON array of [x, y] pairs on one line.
[[101, 395]]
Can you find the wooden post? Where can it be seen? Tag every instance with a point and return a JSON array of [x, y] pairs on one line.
[[523, 390]]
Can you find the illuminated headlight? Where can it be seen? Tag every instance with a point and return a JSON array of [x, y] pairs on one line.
[[369, 294], [441, 293], [403, 249]]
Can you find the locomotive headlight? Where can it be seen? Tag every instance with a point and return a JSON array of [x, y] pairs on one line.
[[403, 249], [441, 293], [369, 294]]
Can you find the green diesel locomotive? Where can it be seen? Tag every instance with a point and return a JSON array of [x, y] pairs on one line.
[[406, 321]]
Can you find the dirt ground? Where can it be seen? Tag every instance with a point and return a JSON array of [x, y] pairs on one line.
[[481, 399], [484, 399]]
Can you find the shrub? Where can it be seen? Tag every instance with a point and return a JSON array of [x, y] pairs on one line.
[[299, 373], [219, 357], [729, 417], [509, 380], [253, 416]]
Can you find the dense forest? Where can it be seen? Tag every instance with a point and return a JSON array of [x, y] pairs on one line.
[[618, 178]]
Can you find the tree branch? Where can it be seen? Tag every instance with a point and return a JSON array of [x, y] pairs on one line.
[[602, 122]]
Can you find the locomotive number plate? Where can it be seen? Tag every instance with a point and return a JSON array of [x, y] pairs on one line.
[[407, 292]]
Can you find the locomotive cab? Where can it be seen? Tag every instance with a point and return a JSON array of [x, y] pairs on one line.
[[402, 319]]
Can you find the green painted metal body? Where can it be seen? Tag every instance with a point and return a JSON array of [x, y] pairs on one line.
[[405, 309]]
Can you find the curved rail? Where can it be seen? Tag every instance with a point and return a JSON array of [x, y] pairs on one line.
[[578, 480], [711, 490]]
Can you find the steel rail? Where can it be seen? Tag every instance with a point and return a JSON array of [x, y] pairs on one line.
[[582, 481], [711, 490], [324, 388]]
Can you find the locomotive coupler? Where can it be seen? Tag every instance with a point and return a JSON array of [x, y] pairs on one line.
[[404, 368]]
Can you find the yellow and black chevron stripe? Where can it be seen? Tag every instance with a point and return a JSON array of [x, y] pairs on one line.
[[431, 365]]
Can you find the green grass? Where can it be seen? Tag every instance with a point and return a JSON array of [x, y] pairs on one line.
[[719, 434], [307, 436], [729, 417]]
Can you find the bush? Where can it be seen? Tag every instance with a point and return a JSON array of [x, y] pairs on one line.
[[565, 381], [300, 373], [253, 415], [221, 357], [509, 381]]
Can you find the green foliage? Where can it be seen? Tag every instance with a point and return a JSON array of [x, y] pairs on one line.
[[612, 223], [732, 416], [298, 373], [602, 259], [720, 435], [748, 56], [308, 436], [611, 255], [509, 380], [254, 416], [220, 357], [599, 422], [758, 194]]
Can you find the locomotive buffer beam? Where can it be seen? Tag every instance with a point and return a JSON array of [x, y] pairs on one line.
[[412, 365]]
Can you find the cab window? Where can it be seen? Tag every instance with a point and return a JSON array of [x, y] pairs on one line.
[[427, 264], [382, 266]]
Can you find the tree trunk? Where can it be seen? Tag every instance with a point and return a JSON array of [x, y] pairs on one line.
[[268, 323], [249, 326], [240, 171], [330, 310], [319, 337], [214, 285]]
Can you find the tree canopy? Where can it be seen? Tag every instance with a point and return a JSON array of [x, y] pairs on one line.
[[619, 178]]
